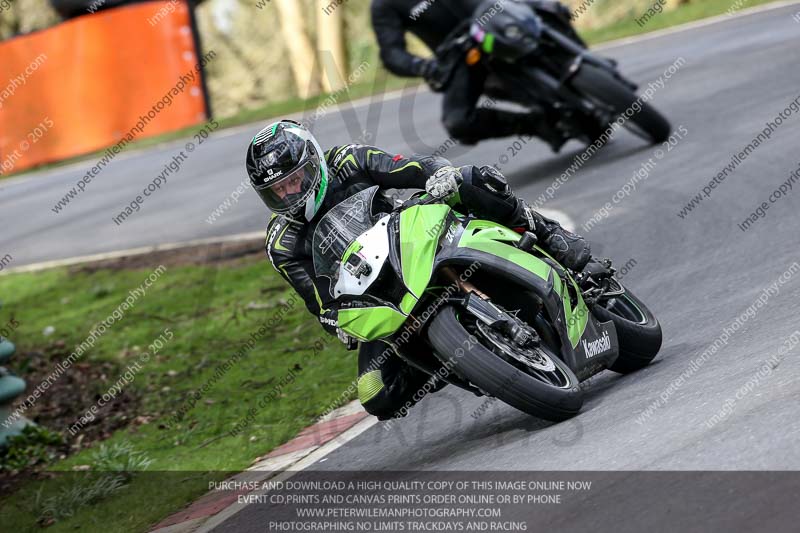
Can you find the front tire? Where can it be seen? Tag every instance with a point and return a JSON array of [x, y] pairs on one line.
[[497, 377], [638, 331], [601, 86]]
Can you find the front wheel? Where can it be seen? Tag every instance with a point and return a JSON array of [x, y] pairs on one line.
[[604, 89], [638, 331], [533, 380]]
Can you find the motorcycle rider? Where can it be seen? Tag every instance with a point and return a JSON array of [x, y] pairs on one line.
[[300, 183], [431, 21]]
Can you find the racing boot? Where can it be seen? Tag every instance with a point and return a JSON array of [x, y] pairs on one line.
[[569, 249], [545, 125], [537, 122]]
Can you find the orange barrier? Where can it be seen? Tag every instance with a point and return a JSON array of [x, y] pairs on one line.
[[97, 81]]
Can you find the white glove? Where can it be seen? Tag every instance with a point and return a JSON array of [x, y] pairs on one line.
[[444, 183]]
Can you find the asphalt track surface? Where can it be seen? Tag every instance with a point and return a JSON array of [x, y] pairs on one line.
[[699, 274]]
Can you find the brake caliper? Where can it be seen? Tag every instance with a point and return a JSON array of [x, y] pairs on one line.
[[506, 323]]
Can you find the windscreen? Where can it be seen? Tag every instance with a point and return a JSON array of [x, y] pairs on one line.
[[339, 228]]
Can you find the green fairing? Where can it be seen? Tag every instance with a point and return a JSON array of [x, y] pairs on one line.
[[576, 318], [494, 239], [407, 303], [420, 228], [370, 323], [581, 314]]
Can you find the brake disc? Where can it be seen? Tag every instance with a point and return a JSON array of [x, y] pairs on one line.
[[531, 356]]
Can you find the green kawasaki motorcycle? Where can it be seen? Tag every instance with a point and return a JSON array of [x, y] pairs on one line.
[[502, 317]]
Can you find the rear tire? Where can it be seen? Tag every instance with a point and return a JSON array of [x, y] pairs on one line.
[[639, 340], [600, 85], [497, 377]]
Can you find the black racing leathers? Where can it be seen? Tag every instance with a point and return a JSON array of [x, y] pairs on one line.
[[432, 21], [429, 20]]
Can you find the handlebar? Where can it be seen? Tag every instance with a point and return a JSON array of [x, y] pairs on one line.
[[423, 199], [426, 198]]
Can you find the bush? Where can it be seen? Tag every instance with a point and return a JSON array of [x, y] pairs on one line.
[[35, 445]]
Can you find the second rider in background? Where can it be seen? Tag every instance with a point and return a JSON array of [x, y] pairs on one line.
[[432, 21]]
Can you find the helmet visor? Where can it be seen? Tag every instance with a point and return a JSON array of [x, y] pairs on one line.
[[289, 193]]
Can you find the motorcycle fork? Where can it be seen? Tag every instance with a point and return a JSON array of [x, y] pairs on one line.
[[463, 285], [481, 306]]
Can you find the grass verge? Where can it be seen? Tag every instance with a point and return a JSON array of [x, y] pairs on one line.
[[212, 312]]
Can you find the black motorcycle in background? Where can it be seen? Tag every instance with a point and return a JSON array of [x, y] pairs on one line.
[[535, 58]]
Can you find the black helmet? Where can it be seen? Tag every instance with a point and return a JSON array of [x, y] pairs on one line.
[[287, 169], [507, 30]]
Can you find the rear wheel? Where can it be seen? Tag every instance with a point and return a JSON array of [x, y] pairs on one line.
[[604, 89], [532, 379], [638, 330]]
